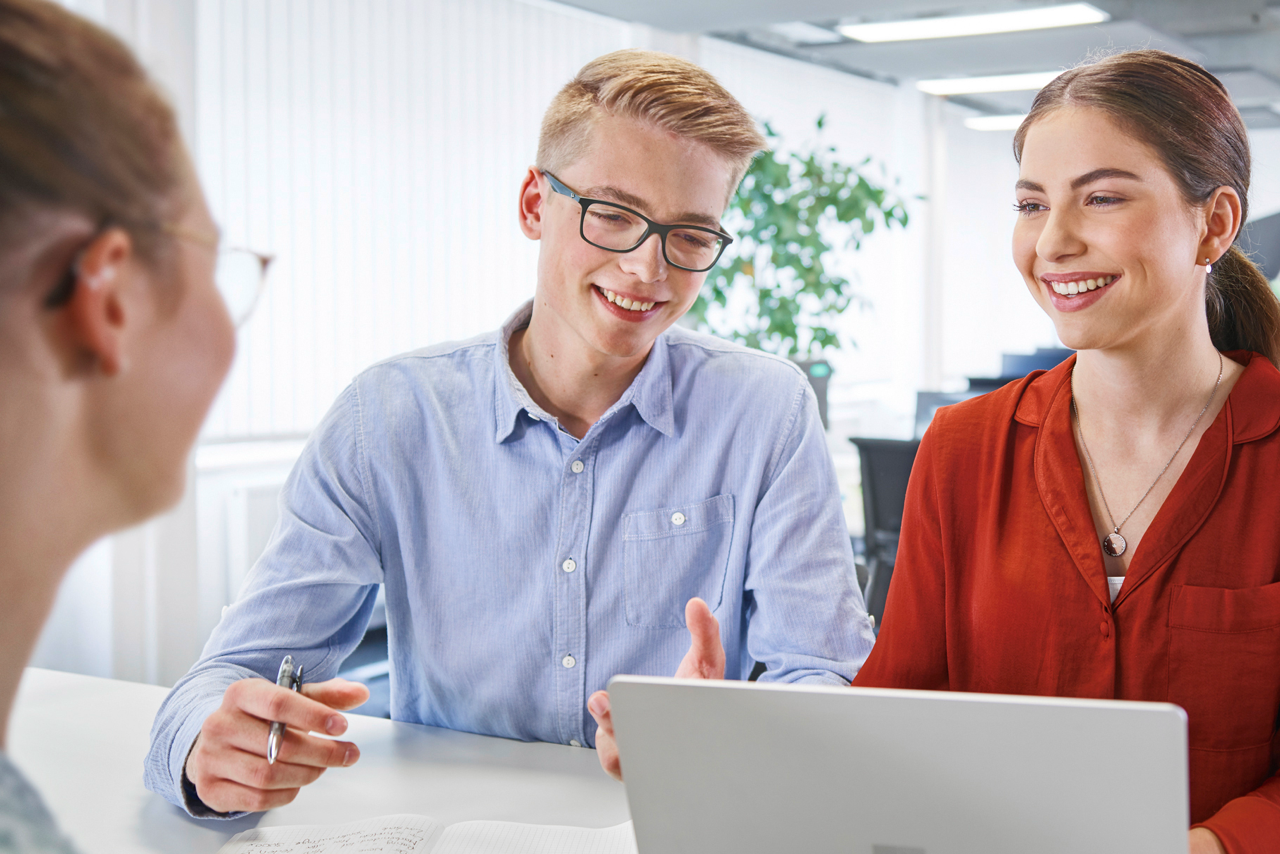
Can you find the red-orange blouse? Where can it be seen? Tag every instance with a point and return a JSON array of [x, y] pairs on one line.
[[999, 584]]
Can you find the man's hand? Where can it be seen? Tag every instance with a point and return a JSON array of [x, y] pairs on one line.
[[704, 660], [228, 764], [1205, 841]]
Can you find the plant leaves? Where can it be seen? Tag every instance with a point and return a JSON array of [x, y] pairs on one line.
[[787, 207]]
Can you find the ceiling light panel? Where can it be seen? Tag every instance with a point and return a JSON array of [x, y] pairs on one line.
[[1002, 53], [979, 85], [915, 29]]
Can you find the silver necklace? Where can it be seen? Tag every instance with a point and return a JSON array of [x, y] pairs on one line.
[[1114, 544]]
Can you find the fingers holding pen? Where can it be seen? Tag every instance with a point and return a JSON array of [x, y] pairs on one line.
[[248, 734], [267, 702], [228, 765]]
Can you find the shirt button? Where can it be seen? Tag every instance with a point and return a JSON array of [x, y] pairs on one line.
[[1106, 629], [573, 742], [568, 566], [577, 467], [568, 661], [677, 518]]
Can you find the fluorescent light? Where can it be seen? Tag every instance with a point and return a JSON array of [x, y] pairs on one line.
[[799, 32], [980, 85], [1069, 15], [994, 122]]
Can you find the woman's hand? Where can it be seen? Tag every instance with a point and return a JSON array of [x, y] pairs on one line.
[[1203, 841]]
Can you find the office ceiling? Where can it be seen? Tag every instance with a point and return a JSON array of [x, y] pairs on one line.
[[1239, 40]]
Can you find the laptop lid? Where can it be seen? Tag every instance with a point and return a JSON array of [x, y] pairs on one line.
[[740, 767]]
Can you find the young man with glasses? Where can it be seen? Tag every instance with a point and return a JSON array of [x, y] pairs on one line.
[[573, 496]]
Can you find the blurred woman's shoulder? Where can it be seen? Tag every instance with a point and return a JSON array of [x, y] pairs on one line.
[[26, 827]]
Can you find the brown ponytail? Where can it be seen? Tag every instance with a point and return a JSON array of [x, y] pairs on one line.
[[82, 127], [1243, 310], [1185, 114]]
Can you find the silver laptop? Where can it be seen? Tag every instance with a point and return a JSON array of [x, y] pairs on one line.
[[741, 767]]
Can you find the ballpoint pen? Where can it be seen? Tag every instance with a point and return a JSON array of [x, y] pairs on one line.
[[292, 680]]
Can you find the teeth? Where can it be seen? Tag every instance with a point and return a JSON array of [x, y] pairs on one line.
[[1072, 288], [623, 302]]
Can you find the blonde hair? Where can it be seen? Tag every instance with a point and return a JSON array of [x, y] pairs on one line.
[[664, 91]]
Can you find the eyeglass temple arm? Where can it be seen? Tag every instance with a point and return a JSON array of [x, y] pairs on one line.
[[560, 188]]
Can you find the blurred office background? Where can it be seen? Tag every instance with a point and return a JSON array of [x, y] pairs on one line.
[[376, 147]]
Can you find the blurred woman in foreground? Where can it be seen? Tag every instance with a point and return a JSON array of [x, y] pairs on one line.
[[1111, 528], [113, 338]]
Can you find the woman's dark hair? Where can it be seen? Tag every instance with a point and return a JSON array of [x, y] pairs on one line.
[[1185, 114], [82, 126]]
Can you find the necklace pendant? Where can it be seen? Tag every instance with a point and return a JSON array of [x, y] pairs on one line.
[[1114, 544]]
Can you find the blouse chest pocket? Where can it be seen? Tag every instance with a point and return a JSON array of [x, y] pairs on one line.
[[673, 554], [1224, 663]]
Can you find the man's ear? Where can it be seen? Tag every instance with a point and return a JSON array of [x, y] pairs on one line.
[[97, 314], [1221, 222], [531, 202]]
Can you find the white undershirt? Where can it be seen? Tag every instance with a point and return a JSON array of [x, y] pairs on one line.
[[1115, 583]]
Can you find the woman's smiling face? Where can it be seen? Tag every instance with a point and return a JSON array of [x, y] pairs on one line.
[[1105, 240]]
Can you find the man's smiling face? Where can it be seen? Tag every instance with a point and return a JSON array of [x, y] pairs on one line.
[[583, 290]]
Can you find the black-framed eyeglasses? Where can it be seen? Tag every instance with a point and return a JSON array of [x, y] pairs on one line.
[[618, 228]]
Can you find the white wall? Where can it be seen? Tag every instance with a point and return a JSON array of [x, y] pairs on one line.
[[987, 308], [1264, 192]]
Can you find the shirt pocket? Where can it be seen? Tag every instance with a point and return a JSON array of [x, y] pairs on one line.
[[1224, 663], [673, 554]]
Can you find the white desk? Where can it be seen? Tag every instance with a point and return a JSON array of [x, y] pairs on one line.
[[82, 740]]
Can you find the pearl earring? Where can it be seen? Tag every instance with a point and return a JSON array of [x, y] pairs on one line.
[[1208, 268], [105, 275]]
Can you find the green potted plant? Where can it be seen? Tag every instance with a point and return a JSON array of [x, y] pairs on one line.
[[774, 289]]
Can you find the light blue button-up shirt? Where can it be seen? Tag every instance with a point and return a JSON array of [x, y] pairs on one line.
[[523, 567]]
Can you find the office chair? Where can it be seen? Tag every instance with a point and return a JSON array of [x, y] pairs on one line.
[[929, 402], [886, 467]]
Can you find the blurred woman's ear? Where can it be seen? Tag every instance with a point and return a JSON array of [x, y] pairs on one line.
[[102, 302]]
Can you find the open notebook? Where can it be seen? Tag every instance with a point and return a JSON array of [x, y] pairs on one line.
[[417, 834]]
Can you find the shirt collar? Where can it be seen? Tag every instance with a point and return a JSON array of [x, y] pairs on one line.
[[649, 392], [1254, 413], [510, 398]]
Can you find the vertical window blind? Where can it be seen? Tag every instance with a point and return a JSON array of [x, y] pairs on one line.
[[376, 148]]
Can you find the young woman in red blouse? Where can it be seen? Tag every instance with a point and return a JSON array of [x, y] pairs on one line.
[[1111, 528]]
